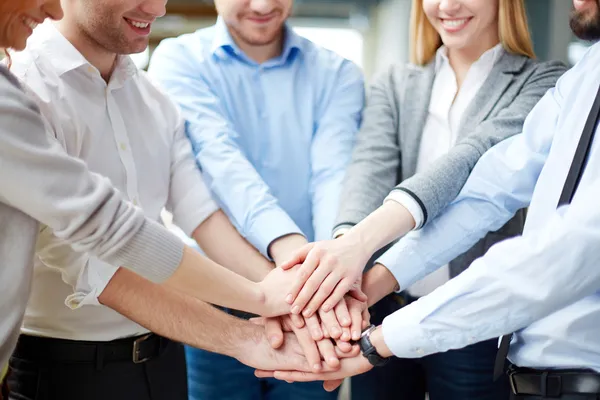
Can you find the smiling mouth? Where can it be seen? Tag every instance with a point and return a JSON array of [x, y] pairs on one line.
[[138, 24], [30, 22], [454, 24]]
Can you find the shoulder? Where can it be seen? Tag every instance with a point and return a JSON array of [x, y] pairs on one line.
[[13, 97], [328, 62], [195, 46]]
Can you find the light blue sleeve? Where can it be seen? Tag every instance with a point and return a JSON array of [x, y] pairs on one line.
[[332, 146], [234, 181], [501, 183]]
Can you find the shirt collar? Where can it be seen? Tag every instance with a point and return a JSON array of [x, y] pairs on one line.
[[223, 45], [64, 57], [491, 56]]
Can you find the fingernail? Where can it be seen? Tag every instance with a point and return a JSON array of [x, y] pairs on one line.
[[334, 331], [307, 312], [356, 335], [326, 307], [273, 339], [316, 333], [317, 367], [346, 336], [345, 321], [295, 310], [333, 360], [288, 299]]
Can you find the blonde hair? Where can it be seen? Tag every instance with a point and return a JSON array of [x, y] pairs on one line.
[[513, 31]]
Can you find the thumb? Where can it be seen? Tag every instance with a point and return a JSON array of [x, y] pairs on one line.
[[330, 386], [297, 257]]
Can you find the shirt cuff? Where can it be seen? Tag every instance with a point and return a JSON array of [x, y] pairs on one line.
[[269, 226], [404, 336], [153, 252], [404, 264], [92, 281], [408, 202], [341, 231]]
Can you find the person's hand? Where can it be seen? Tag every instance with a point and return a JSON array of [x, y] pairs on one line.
[[253, 349], [274, 288], [349, 367], [329, 270]]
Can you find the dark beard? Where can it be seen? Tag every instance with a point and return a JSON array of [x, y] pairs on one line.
[[586, 27]]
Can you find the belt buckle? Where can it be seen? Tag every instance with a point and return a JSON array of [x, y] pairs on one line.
[[136, 349]]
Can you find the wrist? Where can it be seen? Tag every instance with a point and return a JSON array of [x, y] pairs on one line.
[[378, 282], [379, 343], [282, 249], [244, 336]]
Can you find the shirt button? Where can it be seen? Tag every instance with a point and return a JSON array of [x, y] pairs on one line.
[[123, 146], [135, 202], [90, 69]]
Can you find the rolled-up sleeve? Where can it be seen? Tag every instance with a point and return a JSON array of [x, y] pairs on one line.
[[189, 201]]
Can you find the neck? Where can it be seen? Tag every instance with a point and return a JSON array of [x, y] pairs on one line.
[[260, 53], [462, 59], [95, 54]]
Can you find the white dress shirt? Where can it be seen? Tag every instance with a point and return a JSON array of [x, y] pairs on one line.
[[126, 130], [543, 285], [446, 109]]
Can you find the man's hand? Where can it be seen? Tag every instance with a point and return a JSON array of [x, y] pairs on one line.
[[333, 378], [329, 270], [282, 249], [274, 288]]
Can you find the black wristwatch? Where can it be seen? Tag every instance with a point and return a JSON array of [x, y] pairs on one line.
[[368, 350]]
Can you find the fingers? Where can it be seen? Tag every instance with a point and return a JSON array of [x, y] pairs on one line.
[[328, 353], [298, 257], [338, 294], [358, 294], [309, 347], [343, 346], [342, 314], [366, 316], [330, 386], [305, 271], [352, 351], [321, 283], [274, 332], [356, 315], [314, 327], [331, 324], [297, 320]]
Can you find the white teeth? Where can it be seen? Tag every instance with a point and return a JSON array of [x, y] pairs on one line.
[[30, 23], [140, 25], [454, 23]]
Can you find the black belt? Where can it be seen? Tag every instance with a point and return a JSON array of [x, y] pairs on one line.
[[553, 383], [135, 349]]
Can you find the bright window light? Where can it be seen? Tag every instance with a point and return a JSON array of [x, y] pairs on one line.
[[346, 42]]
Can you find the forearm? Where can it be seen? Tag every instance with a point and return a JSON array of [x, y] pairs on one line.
[[222, 243], [206, 280], [377, 283], [282, 249], [381, 227], [175, 315]]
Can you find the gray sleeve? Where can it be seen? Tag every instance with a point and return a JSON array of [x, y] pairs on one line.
[[376, 155], [439, 185], [83, 208]]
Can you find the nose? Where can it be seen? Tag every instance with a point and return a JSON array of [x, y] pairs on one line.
[[154, 8], [261, 6], [449, 5], [52, 9]]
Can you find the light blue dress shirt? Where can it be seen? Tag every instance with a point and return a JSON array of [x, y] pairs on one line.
[[273, 140], [543, 285]]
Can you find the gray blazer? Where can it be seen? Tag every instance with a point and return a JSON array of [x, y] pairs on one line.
[[393, 121]]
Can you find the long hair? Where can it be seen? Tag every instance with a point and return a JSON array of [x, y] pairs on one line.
[[8, 61], [513, 31]]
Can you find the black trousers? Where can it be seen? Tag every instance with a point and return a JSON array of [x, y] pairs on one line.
[[160, 378]]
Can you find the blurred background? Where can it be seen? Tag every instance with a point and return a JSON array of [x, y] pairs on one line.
[[372, 33]]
